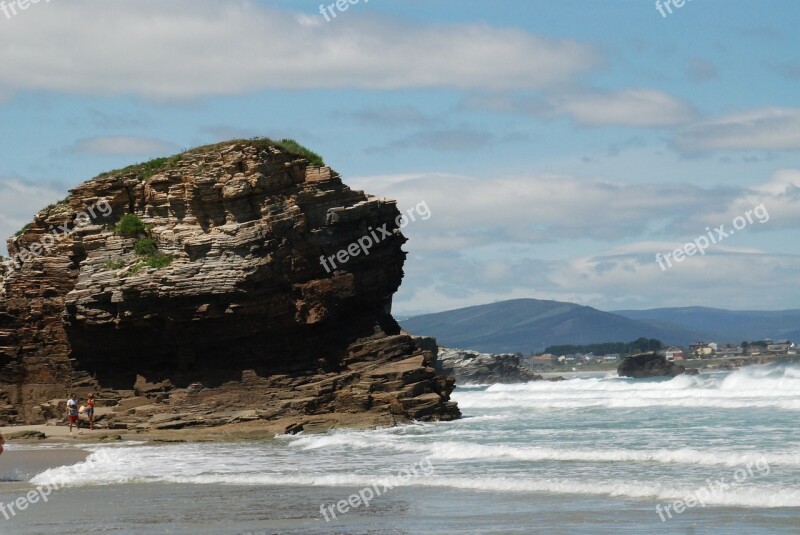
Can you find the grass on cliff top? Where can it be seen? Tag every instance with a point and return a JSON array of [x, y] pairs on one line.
[[289, 146], [293, 147], [147, 169], [22, 231]]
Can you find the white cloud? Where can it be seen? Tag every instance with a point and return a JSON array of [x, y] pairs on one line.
[[622, 279], [627, 107], [780, 197], [775, 129], [124, 145], [634, 107], [490, 239], [184, 49], [619, 278], [473, 211]]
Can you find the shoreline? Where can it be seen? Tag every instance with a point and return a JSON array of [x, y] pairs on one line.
[[232, 432]]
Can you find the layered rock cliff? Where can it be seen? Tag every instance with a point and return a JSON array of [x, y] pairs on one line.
[[214, 306]]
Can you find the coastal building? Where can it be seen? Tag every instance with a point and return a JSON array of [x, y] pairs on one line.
[[547, 358], [702, 349], [781, 347], [730, 351], [674, 353]]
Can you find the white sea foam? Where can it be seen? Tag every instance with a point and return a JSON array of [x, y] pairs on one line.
[[757, 386], [516, 445], [114, 466], [449, 450]]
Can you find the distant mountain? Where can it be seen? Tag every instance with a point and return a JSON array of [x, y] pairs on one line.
[[723, 326], [527, 325]]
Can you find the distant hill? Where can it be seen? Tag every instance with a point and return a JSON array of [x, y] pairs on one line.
[[723, 326], [527, 325]]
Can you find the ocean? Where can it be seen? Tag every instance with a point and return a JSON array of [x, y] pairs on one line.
[[594, 454]]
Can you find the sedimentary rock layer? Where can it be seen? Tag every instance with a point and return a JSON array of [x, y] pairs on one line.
[[239, 315]]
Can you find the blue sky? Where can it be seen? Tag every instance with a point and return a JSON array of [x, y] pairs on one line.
[[559, 145]]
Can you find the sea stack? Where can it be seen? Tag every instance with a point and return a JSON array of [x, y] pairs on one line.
[[194, 292], [649, 364]]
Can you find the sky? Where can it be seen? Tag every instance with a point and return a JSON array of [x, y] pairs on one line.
[[559, 146]]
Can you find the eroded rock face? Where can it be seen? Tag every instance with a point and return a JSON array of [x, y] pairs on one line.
[[648, 365], [482, 368], [245, 309]]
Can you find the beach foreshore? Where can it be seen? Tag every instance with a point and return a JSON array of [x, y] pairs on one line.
[[254, 430], [26, 435], [33, 449]]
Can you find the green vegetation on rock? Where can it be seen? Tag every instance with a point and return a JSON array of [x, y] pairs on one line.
[[145, 247], [293, 147], [130, 226], [23, 230], [136, 269], [159, 260], [144, 170], [148, 169], [113, 265]]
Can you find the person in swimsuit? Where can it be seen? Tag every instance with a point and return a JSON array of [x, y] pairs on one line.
[[72, 410], [90, 411]]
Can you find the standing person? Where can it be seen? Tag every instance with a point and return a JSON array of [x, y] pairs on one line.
[[72, 409], [90, 411], [2, 443]]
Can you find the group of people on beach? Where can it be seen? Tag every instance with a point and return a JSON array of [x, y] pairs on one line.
[[74, 412]]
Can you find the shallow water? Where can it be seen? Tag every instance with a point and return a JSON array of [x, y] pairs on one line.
[[586, 455]]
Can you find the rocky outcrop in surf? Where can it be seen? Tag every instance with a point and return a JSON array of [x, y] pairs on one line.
[[648, 365], [192, 291], [482, 368]]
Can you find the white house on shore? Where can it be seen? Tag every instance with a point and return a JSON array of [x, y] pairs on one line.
[[675, 353]]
